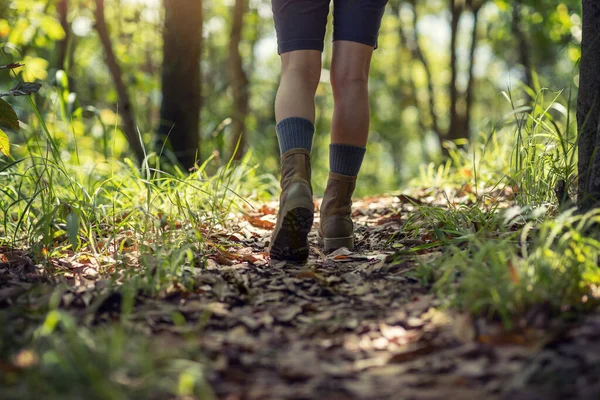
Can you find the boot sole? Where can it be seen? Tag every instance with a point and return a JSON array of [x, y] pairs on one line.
[[291, 242], [332, 244]]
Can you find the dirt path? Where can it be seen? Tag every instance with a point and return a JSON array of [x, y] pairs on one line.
[[352, 326], [360, 326]]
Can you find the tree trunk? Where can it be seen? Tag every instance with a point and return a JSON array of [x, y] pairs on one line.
[[456, 129], [239, 79], [181, 79], [588, 109], [523, 43], [418, 52], [471, 81], [125, 109], [63, 7]]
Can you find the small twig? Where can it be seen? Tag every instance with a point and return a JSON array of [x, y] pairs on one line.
[[11, 66]]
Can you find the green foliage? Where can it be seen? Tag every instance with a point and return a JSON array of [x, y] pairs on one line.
[[4, 144], [401, 138], [502, 261], [550, 263]]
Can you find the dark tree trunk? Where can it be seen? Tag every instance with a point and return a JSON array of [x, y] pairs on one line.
[[63, 8], [588, 108], [125, 108], [456, 129], [523, 43], [471, 80], [418, 52], [66, 47], [181, 79], [239, 79]]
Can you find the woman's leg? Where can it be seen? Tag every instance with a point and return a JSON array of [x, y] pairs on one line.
[[349, 80], [300, 28], [300, 74], [355, 37]]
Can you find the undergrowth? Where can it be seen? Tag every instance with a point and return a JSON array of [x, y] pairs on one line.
[[146, 230], [515, 240]]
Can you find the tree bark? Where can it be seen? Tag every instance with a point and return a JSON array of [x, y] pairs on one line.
[[523, 43], [125, 108], [63, 8], [418, 52], [181, 79], [588, 109], [471, 81], [239, 79], [456, 129]]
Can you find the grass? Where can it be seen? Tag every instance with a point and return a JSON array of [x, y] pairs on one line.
[[508, 246]]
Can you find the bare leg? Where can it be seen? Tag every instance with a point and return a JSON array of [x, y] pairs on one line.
[[295, 115], [349, 79], [300, 74]]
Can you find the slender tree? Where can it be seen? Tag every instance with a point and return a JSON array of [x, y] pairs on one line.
[[125, 108], [419, 55], [461, 103], [588, 108], [456, 129], [239, 79], [181, 79], [475, 6], [62, 7], [524, 49]]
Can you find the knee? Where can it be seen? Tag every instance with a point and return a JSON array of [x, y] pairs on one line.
[[345, 78], [305, 69]]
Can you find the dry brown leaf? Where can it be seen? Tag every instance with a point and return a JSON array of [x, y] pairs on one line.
[[411, 352], [513, 273], [265, 210], [465, 190], [503, 339], [259, 223], [392, 218], [306, 275]]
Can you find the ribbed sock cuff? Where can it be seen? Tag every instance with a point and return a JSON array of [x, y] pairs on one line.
[[294, 133], [345, 159]]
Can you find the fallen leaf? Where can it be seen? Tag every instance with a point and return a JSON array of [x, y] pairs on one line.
[[392, 218], [411, 352], [404, 198], [267, 210], [259, 223]]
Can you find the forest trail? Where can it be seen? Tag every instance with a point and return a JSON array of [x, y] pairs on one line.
[[349, 325], [359, 325]]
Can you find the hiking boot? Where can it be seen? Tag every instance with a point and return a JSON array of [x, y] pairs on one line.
[[296, 208], [336, 229]]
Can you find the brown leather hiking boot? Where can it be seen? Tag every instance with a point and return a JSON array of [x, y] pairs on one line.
[[296, 208], [336, 229]]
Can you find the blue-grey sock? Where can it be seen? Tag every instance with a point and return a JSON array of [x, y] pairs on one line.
[[294, 133], [345, 159]]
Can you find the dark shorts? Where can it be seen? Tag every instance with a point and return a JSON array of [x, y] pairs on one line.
[[300, 24]]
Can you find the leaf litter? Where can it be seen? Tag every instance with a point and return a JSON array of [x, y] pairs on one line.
[[347, 325]]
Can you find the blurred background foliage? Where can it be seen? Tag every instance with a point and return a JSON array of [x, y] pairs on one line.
[[438, 75]]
